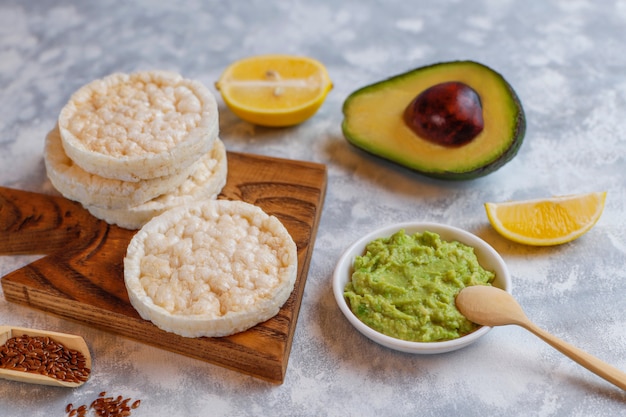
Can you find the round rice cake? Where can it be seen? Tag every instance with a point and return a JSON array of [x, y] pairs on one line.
[[76, 184], [214, 268], [138, 126], [205, 182]]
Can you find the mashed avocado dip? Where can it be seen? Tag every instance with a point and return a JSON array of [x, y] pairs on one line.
[[404, 286]]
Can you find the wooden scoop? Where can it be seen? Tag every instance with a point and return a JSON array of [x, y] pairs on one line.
[[72, 345], [491, 306]]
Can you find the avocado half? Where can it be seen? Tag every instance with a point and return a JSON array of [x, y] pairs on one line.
[[373, 121]]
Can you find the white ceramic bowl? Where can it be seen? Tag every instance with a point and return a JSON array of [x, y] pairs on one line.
[[487, 257]]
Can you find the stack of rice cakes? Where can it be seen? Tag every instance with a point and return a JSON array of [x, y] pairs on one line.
[[131, 146], [142, 151]]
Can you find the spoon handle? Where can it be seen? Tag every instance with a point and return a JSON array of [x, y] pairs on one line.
[[595, 365]]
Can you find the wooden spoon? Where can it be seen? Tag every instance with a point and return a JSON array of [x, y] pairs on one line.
[[71, 342], [491, 306]]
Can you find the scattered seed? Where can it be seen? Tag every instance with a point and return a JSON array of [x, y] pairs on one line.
[[106, 406]]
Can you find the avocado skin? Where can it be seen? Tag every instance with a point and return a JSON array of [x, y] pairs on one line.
[[518, 131]]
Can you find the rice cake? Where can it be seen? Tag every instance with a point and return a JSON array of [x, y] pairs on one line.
[[213, 268], [76, 184], [138, 126], [205, 182]]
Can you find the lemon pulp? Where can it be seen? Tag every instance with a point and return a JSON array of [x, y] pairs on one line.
[[274, 90], [549, 221]]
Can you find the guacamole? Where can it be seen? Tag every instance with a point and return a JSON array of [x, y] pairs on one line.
[[404, 286]]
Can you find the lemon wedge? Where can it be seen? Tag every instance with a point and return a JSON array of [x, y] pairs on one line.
[[274, 90], [548, 221]]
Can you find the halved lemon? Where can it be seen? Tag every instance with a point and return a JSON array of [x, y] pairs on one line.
[[274, 90], [549, 221]]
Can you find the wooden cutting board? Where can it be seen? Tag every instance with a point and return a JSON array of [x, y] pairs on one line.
[[81, 278]]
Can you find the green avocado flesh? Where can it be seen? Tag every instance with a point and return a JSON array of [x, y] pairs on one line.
[[405, 286], [373, 121]]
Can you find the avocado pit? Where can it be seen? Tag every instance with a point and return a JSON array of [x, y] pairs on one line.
[[449, 114]]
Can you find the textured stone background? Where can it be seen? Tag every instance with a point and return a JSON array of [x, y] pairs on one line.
[[567, 63]]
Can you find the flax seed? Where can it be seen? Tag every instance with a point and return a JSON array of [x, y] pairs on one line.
[[109, 406], [43, 355]]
